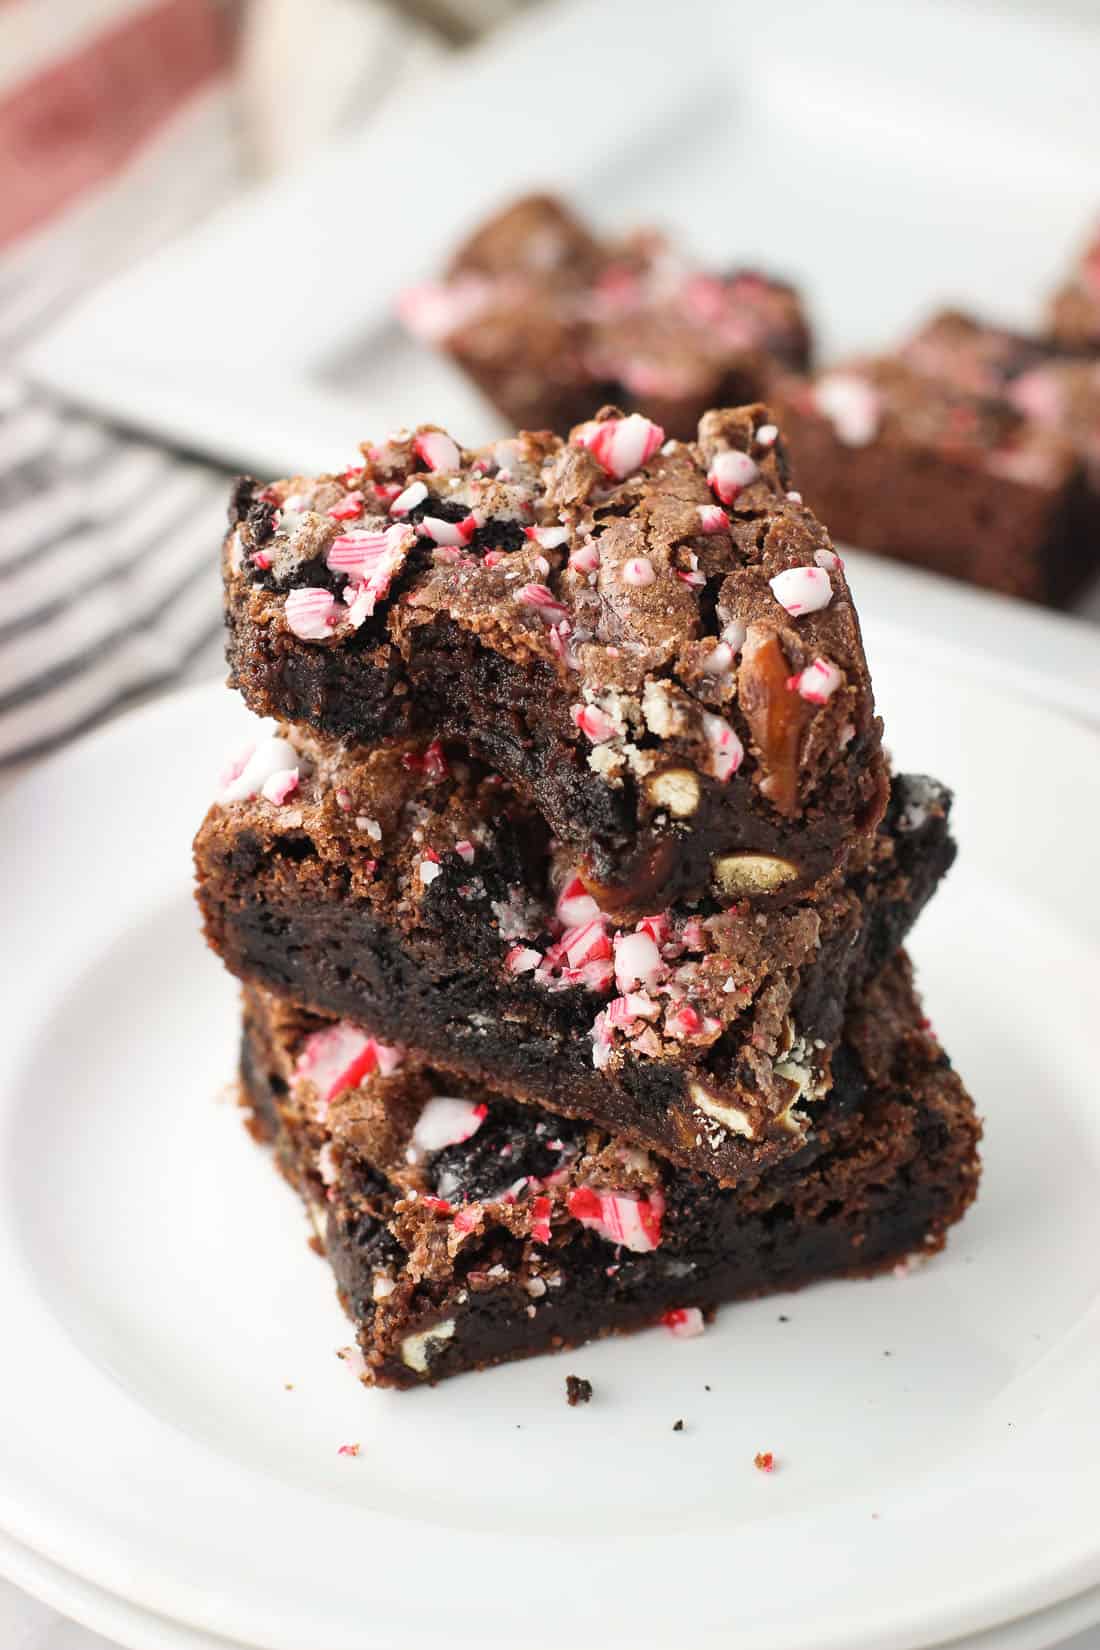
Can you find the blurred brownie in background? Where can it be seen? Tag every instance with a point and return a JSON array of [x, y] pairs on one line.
[[551, 322], [1074, 312], [955, 479]]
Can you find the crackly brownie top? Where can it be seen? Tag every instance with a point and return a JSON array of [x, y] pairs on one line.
[[1075, 308], [688, 604], [887, 400], [630, 310], [1057, 393]]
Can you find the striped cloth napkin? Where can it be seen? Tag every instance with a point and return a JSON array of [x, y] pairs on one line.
[[117, 131]]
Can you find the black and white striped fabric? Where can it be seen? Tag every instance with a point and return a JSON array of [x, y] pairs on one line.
[[108, 570]]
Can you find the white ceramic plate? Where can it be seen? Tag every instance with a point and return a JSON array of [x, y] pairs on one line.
[[159, 1295]]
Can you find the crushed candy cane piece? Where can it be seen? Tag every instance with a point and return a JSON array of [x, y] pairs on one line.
[[575, 904], [713, 519], [408, 500], [638, 571], [340, 1056], [802, 590], [637, 961], [521, 959], [437, 450], [622, 445], [767, 435], [540, 1220], [248, 774], [543, 600], [730, 473], [311, 611], [764, 1461], [348, 1449], [816, 683], [550, 538], [445, 1121], [350, 506], [278, 786], [594, 723], [589, 942], [586, 559], [828, 559], [465, 850], [851, 405], [429, 869], [726, 750], [633, 1222], [686, 1322]]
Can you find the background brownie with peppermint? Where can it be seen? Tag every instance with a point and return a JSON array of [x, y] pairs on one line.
[[920, 468], [551, 322], [653, 640], [465, 1230], [409, 889], [1075, 308]]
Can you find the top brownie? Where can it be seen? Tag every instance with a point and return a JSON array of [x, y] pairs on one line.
[[551, 322], [1075, 307], [653, 641]]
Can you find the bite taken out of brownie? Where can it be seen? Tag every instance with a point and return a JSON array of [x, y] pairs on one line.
[[920, 468], [653, 641], [408, 889], [551, 321], [465, 1230]]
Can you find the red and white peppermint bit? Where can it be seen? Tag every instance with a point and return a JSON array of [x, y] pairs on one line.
[[540, 1220], [437, 450], [279, 786], [594, 723], [575, 904], [348, 1449], [828, 559], [466, 1219], [349, 507], [802, 590], [588, 943], [684, 1321], [445, 1121], [311, 612], [734, 634], [726, 750], [386, 491], [767, 435], [730, 473], [586, 559], [658, 928], [686, 1022], [408, 500], [633, 1222], [622, 445], [637, 961], [691, 574], [429, 868], [764, 1461], [522, 959], [550, 538], [249, 773], [338, 1058], [492, 558], [360, 551], [431, 761], [713, 519], [851, 405], [543, 600], [793, 497], [816, 683], [637, 571], [693, 935], [718, 660], [635, 1005], [465, 850], [234, 767], [448, 532], [435, 1205]]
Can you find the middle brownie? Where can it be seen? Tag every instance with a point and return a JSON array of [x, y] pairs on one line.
[[408, 889]]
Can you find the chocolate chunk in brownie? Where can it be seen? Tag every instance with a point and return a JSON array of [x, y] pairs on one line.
[[653, 641], [408, 889], [550, 321], [921, 468], [613, 1238]]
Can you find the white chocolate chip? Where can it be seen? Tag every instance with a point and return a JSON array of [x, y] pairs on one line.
[[676, 789], [730, 1117], [752, 873], [417, 1349]]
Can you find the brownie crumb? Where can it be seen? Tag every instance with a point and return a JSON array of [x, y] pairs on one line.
[[678, 1426], [577, 1390]]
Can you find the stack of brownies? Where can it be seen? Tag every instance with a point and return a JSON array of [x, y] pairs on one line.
[[569, 890]]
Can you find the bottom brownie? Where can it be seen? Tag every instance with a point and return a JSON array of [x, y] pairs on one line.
[[466, 1230]]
